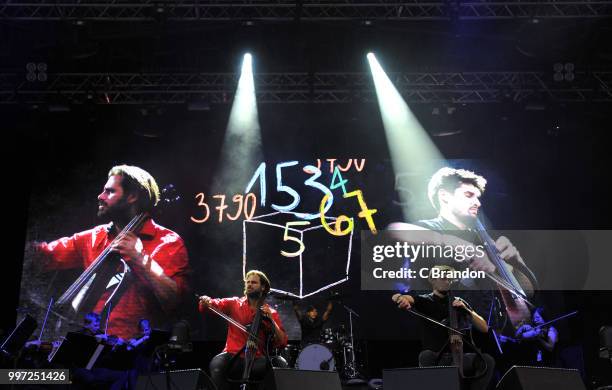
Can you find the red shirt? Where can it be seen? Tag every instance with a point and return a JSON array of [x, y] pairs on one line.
[[239, 310], [138, 301]]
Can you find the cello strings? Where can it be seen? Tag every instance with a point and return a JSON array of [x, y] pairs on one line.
[[86, 275], [90, 270], [509, 288], [508, 280], [492, 249]]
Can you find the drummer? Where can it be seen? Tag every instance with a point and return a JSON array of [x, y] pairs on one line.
[[311, 323]]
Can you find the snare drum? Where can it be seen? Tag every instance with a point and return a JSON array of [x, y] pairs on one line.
[[316, 357]]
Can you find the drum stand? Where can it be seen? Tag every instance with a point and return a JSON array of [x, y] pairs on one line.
[[350, 370]]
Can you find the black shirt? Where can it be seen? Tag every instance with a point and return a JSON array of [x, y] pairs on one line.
[[433, 337], [440, 224], [480, 293], [311, 329]]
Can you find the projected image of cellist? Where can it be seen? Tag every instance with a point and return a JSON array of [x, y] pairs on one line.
[[449, 319], [504, 294], [133, 267], [251, 324]]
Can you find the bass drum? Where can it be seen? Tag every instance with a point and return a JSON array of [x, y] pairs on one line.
[[316, 357]]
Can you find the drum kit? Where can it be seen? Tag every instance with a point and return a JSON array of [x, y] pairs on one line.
[[335, 350]]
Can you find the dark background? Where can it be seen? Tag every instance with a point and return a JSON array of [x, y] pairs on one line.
[[550, 162]]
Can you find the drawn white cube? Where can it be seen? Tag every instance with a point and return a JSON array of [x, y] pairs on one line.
[[323, 263]]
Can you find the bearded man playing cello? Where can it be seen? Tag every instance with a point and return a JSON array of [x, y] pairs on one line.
[[156, 257]]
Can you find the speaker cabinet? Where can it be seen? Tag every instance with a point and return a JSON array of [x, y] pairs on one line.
[[539, 378], [421, 378], [177, 380], [290, 379]]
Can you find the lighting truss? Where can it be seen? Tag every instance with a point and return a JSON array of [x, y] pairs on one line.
[[307, 10], [179, 88]]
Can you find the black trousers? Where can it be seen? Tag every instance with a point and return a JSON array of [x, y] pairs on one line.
[[472, 364], [223, 367]]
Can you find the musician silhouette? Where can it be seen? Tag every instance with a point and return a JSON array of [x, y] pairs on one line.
[[439, 335], [536, 341], [142, 352], [311, 323], [100, 375]]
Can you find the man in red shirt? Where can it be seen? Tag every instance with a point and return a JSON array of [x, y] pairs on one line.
[[156, 256], [243, 311]]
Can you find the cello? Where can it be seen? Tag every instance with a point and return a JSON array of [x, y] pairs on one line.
[[515, 303], [252, 342], [456, 335], [455, 341], [84, 293], [250, 347]]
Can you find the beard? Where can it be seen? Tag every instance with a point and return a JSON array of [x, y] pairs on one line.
[[256, 294], [467, 219], [120, 210]]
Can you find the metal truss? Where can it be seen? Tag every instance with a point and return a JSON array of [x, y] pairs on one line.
[[307, 10], [180, 88]]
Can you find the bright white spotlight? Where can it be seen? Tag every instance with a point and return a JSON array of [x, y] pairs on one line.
[[241, 151], [243, 117], [409, 144], [396, 114], [247, 64]]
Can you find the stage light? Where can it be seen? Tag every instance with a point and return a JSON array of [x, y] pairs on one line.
[[564, 71], [36, 72], [247, 64], [244, 117], [241, 151], [410, 147]]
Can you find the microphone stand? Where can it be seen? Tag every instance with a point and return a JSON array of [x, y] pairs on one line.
[[350, 363]]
